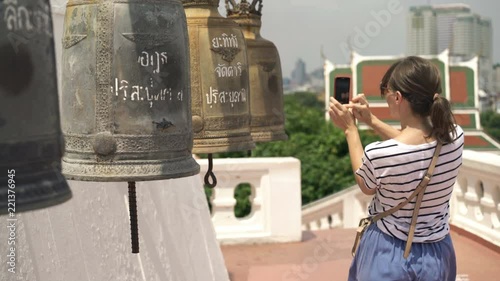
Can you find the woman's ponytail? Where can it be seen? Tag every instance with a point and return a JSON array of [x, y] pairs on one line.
[[443, 121]]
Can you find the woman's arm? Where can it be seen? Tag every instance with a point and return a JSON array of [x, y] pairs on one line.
[[344, 119], [356, 154]]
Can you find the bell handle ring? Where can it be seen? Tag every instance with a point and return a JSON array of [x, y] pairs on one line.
[[210, 173]]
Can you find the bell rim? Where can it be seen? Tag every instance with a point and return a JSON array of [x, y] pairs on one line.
[[261, 137], [61, 195], [37, 206], [204, 146], [89, 171]]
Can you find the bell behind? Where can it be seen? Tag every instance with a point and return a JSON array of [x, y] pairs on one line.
[[219, 80], [31, 143], [266, 81]]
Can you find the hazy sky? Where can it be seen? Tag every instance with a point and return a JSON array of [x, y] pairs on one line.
[[299, 28]]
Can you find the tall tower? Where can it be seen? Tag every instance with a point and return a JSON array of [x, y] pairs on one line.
[[421, 31], [432, 29], [299, 75], [486, 40], [465, 35], [472, 36], [496, 86], [446, 15], [496, 78], [485, 52]]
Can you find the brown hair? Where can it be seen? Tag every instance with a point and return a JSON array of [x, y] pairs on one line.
[[419, 82], [385, 80]]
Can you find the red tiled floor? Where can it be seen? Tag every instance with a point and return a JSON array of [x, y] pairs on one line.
[[326, 255]]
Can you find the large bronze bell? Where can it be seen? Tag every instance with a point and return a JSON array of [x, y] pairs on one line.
[[219, 80], [266, 82], [126, 95], [30, 133]]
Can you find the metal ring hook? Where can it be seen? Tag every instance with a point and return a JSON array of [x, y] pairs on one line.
[[210, 174]]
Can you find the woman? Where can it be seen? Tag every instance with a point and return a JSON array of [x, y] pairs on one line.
[[391, 170]]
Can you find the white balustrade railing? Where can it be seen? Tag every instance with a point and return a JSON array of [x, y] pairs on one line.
[[275, 200], [475, 205], [343, 209], [476, 201]]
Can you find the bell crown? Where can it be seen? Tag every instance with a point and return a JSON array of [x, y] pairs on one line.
[[244, 7]]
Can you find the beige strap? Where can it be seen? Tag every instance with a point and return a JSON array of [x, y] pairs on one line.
[[413, 224], [363, 224], [420, 190], [424, 183], [420, 187]]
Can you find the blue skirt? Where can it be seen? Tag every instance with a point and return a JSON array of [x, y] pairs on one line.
[[380, 258]]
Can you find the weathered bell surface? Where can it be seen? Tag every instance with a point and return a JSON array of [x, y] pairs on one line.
[[219, 80], [30, 133], [266, 82], [126, 111]]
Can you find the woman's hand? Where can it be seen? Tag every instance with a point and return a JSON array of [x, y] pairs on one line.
[[341, 116], [361, 109]]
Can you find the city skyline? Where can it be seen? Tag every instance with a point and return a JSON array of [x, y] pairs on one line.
[[456, 27], [301, 29]]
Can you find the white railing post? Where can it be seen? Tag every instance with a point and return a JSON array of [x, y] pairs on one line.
[[342, 209], [476, 202], [276, 199]]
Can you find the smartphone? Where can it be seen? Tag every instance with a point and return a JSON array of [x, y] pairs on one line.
[[342, 89]]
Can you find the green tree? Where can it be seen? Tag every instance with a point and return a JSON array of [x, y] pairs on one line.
[[490, 121]]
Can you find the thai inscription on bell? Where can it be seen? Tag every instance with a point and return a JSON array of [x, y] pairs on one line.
[[219, 80]]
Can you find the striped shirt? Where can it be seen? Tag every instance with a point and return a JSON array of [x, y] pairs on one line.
[[395, 169]]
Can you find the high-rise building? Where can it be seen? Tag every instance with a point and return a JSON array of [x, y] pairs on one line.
[[432, 29], [496, 87], [485, 53], [465, 35], [299, 75], [486, 40], [446, 15], [421, 31], [496, 78]]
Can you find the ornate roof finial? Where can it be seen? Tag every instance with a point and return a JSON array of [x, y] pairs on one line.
[[244, 7]]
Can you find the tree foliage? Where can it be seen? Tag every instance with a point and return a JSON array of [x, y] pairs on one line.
[[490, 121]]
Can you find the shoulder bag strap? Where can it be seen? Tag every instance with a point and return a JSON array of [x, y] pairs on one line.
[[421, 185], [420, 190]]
